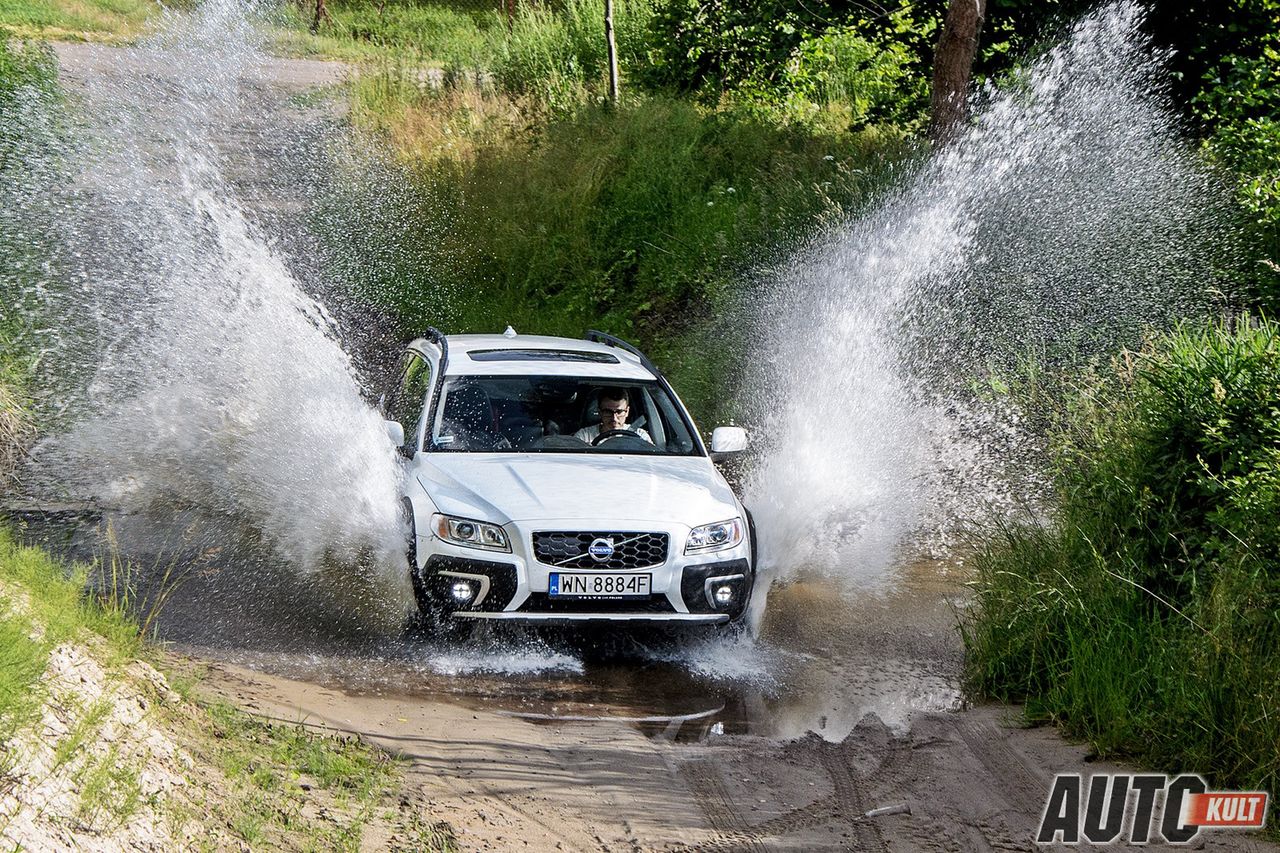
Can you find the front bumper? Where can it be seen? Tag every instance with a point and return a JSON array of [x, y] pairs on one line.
[[580, 618], [513, 587]]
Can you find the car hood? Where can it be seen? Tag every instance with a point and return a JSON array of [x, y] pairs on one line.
[[596, 488]]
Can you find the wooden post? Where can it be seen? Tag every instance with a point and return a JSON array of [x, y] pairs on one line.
[[613, 52]]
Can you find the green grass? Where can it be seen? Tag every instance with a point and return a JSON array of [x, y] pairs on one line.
[[57, 603], [109, 789], [22, 660], [1146, 618], [440, 34], [267, 764], [90, 20]]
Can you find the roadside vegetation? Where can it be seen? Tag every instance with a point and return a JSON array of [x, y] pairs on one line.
[[96, 744], [1145, 617], [112, 21], [743, 129]]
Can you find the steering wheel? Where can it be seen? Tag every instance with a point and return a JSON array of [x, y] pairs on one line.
[[616, 433]]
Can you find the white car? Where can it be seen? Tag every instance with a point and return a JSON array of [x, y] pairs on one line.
[[515, 518]]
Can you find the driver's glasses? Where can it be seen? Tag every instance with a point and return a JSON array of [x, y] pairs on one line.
[[614, 413]]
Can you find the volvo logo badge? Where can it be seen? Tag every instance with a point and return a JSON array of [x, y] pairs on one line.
[[600, 549]]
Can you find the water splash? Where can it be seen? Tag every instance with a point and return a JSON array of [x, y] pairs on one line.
[[1064, 221], [191, 365], [514, 661]]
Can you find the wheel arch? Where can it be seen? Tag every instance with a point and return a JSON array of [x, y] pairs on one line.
[[417, 520]]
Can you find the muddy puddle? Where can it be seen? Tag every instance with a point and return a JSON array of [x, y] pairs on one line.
[[825, 655]]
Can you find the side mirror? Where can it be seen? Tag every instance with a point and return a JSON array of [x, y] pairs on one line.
[[727, 440], [395, 432]]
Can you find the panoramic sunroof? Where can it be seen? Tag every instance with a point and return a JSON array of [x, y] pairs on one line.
[[541, 355]]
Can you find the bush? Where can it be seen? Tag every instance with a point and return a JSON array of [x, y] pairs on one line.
[[792, 59], [1147, 617]]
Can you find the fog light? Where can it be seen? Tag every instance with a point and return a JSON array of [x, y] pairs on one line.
[[723, 595], [462, 592]]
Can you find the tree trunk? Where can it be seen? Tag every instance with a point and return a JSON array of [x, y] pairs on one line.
[[322, 14], [953, 67], [613, 52]]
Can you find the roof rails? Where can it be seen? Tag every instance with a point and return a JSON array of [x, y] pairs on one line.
[[613, 341], [435, 336]]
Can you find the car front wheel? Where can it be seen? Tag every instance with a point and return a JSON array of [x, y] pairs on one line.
[[433, 619]]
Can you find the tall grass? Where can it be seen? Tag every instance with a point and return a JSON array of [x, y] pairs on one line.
[[558, 53], [642, 220], [17, 428], [1146, 618]]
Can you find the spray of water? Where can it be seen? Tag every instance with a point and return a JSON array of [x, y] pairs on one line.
[[195, 371], [190, 365], [1064, 221]]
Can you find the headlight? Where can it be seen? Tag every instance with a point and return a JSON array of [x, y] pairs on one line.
[[469, 533], [714, 537]]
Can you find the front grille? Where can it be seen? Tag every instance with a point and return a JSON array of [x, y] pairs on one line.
[[569, 550]]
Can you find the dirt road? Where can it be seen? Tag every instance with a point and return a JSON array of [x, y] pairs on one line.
[[522, 771], [783, 743]]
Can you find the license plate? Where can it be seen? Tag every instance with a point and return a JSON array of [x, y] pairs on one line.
[[598, 585]]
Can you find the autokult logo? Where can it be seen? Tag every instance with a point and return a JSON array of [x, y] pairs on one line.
[[1174, 809]]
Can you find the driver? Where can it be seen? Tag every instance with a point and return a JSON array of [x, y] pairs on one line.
[[615, 406]]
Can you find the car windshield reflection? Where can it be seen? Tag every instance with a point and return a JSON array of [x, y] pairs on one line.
[[555, 414]]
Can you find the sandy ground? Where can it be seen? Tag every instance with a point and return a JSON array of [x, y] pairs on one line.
[[972, 780]]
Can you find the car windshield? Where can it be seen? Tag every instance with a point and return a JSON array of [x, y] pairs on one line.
[[556, 414]]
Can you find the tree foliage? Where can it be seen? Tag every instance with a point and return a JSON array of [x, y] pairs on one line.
[[1227, 72], [795, 57]]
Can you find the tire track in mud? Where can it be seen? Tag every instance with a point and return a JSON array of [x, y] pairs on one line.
[[1020, 785], [1004, 787], [870, 769], [1010, 777], [845, 806], [850, 799], [731, 830]]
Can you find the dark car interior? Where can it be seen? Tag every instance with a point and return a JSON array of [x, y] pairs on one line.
[[541, 414]]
